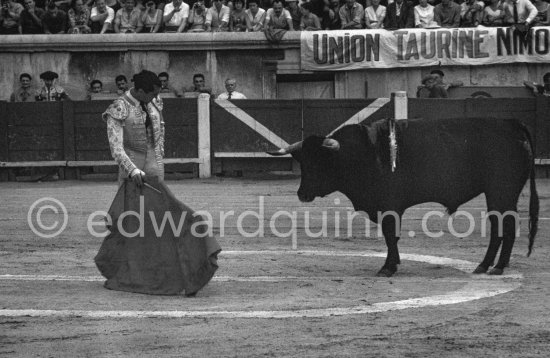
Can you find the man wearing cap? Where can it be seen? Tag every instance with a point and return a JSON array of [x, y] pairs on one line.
[[50, 91], [439, 74], [135, 129]]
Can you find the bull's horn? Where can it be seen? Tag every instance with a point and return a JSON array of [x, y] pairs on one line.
[[288, 150], [331, 144]]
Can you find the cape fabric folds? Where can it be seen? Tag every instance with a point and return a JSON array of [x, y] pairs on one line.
[[161, 262]]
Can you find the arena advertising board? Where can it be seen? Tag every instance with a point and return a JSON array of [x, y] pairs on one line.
[[361, 49]]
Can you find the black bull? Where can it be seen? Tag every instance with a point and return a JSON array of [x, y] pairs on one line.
[[447, 161]]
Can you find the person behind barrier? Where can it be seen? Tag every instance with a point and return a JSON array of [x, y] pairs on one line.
[[96, 86], [471, 13], [197, 17], [79, 16], [102, 18], [30, 20], [310, 21], [238, 20], [217, 17], [164, 78], [231, 86], [25, 93], [351, 15], [424, 15], [543, 13], [540, 89], [121, 84], [9, 17], [256, 15], [493, 14], [447, 14], [519, 12], [439, 75], [399, 15], [55, 21], [128, 18], [175, 16], [375, 15], [51, 92], [135, 130], [431, 89], [198, 87], [151, 17]]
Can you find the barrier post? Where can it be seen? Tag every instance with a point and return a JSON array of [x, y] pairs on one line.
[[400, 102], [203, 125]]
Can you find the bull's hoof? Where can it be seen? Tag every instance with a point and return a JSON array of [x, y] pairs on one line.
[[385, 272], [480, 269], [496, 271]]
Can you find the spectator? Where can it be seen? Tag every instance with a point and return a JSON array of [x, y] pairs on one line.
[[493, 15], [447, 14], [309, 21], [55, 21], [30, 20], [102, 18], [197, 17], [238, 21], [519, 12], [295, 12], [543, 13], [198, 87], [165, 84], [399, 15], [424, 15], [439, 77], [351, 15], [175, 16], [96, 86], [278, 18], [471, 13], [151, 17], [50, 91], [540, 89], [331, 16], [231, 86], [79, 16], [25, 93], [128, 18], [121, 84], [430, 88], [256, 15], [217, 17], [375, 15], [9, 17]]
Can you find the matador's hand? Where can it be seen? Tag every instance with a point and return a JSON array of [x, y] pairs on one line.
[[137, 176]]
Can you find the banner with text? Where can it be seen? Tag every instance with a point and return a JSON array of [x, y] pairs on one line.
[[359, 49]]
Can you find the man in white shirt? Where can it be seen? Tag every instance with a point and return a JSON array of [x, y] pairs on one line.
[[102, 18], [278, 18], [256, 15], [175, 16], [231, 86], [217, 17], [519, 12]]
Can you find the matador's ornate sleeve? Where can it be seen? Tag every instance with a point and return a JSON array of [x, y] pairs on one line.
[[115, 117], [157, 102]]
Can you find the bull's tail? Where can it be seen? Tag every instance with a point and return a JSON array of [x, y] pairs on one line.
[[534, 198]]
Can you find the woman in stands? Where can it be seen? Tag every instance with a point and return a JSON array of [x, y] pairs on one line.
[[493, 14], [239, 21], [79, 17], [197, 17], [151, 17], [375, 15], [543, 13], [424, 15]]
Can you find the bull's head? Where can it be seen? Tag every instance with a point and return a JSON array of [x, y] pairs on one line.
[[318, 158]]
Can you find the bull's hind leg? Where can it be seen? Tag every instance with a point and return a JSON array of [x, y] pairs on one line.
[[510, 223], [390, 228], [492, 250]]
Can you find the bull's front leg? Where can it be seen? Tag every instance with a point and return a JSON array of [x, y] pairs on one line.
[[390, 228]]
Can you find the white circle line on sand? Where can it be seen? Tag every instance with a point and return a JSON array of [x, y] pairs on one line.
[[475, 289]]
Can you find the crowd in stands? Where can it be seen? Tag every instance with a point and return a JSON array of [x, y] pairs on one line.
[[152, 16]]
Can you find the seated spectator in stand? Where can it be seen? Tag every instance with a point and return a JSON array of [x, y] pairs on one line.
[[96, 86], [330, 19], [309, 21], [439, 77], [102, 18], [278, 18], [175, 16], [30, 19], [424, 15], [493, 15], [9, 17], [543, 13], [538, 88], [50, 91], [199, 86], [121, 84], [128, 19], [238, 20], [256, 15], [197, 17], [79, 17], [430, 88], [295, 12], [151, 17], [526, 12], [351, 15], [55, 21], [165, 84], [231, 86], [447, 14], [217, 17], [25, 93], [471, 13], [399, 15], [375, 15]]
